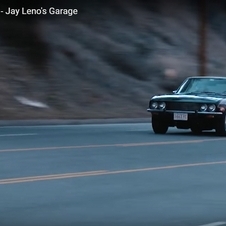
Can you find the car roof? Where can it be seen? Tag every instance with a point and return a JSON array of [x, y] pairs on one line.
[[217, 77]]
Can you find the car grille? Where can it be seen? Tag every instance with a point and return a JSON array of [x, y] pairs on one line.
[[182, 106]]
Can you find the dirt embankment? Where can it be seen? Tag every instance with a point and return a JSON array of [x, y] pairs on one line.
[[104, 62]]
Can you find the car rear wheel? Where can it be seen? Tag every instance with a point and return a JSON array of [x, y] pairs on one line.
[[221, 127], [159, 126]]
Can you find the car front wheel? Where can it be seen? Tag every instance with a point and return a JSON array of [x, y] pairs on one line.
[[159, 126], [221, 127]]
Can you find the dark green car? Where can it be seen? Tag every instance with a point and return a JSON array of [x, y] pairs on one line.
[[198, 104]]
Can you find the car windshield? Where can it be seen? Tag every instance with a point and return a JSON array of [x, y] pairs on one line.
[[204, 85]]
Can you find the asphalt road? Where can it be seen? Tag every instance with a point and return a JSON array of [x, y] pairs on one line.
[[112, 174]]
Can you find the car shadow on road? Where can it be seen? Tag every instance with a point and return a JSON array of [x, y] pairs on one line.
[[173, 132], [211, 133]]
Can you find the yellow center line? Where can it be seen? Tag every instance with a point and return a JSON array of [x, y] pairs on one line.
[[110, 145], [102, 172], [50, 177]]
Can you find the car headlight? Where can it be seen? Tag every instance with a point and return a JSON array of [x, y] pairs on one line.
[[203, 107], [154, 105], [212, 107], [162, 105]]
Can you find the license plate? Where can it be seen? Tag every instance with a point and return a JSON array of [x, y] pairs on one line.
[[180, 116]]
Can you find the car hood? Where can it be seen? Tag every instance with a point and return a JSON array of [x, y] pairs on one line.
[[188, 98]]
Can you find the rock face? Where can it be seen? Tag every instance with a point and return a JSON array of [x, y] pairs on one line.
[[106, 61]]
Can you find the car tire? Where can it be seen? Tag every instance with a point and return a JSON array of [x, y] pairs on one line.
[[159, 126], [221, 127], [196, 130]]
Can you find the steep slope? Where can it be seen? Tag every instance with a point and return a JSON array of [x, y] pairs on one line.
[[106, 61]]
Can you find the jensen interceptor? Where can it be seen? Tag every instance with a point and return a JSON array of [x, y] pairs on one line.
[[198, 104]]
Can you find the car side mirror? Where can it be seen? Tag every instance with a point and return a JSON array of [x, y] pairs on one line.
[[174, 91]]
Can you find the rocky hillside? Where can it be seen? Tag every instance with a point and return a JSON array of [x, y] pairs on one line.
[[104, 62]]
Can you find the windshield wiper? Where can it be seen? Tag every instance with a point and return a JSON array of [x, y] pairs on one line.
[[205, 92], [213, 93], [192, 93], [209, 92]]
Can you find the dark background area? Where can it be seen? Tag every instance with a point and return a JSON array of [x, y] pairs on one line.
[[106, 61]]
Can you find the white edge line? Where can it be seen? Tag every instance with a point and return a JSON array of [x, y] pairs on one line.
[[214, 224]]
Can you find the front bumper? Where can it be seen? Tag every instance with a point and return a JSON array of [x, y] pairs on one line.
[[206, 120]]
